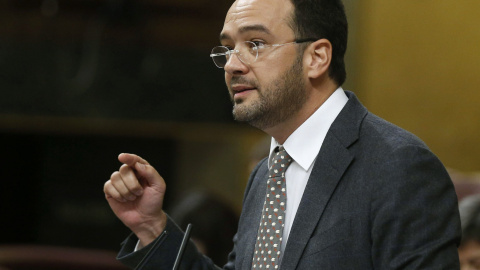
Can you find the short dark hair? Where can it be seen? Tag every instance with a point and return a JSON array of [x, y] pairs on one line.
[[324, 19]]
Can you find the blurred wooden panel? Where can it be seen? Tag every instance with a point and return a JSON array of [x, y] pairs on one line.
[[192, 23], [418, 67]]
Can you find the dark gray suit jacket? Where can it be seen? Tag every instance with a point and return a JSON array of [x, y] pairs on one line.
[[377, 198]]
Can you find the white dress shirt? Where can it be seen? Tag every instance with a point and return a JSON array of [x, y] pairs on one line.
[[303, 146]]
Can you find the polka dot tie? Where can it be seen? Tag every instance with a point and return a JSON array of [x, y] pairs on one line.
[[270, 231]]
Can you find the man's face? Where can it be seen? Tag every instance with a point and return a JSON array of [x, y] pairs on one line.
[[270, 90]]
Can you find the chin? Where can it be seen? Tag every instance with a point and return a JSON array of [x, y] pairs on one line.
[[239, 102]]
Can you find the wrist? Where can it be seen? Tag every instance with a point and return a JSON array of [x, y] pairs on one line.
[[149, 231]]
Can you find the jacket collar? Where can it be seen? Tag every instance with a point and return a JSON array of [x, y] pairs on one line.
[[331, 163]]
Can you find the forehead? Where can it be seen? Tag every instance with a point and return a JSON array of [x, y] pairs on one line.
[[274, 15]]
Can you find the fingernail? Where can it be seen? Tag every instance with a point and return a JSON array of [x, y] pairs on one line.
[[138, 192], [131, 198]]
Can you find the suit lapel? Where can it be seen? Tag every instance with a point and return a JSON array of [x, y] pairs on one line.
[[331, 163]]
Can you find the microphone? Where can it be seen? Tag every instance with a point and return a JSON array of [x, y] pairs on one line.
[[178, 260], [186, 237]]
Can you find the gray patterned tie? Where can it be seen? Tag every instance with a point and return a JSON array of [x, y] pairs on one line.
[[270, 231]]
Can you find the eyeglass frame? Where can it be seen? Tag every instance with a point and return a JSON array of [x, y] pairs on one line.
[[236, 51]]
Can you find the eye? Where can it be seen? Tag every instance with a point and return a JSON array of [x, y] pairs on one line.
[[227, 44], [259, 43]]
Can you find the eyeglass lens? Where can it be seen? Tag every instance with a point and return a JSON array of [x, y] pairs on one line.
[[247, 53]]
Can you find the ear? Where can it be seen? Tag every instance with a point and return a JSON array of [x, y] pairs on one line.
[[319, 55]]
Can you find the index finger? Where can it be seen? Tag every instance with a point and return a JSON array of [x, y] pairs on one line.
[[131, 159]]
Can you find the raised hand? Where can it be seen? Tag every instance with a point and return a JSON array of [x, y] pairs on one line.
[[135, 193]]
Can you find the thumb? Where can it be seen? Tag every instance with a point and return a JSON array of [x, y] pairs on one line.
[[148, 173], [131, 159]]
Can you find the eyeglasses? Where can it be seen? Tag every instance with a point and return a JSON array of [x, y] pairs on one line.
[[247, 51]]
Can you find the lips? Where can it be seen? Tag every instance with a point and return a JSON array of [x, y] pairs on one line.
[[240, 93], [242, 88]]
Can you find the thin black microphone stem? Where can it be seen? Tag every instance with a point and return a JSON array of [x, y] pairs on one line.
[[185, 240]]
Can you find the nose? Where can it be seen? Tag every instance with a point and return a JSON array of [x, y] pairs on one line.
[[235, 66]]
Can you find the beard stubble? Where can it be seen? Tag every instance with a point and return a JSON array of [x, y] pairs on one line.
[[276, 102]]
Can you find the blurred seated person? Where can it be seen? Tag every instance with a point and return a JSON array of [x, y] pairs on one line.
[[259, 151], [466, 184], [469, 249], [214, 223]]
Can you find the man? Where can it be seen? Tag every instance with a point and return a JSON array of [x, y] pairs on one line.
[[360, 193]]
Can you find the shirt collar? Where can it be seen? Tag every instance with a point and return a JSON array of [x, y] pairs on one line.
[[305, 142]]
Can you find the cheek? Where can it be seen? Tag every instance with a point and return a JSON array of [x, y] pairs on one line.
[[267, 74], [227, 78], [265, 71], [274, 64]]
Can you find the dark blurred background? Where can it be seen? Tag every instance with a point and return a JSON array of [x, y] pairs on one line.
[[82, 81]]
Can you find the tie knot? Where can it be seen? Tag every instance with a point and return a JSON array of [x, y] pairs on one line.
[[280, 162]]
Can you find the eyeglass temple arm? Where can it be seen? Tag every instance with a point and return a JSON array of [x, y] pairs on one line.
[[225, 53], [217, 54], [306, 40]]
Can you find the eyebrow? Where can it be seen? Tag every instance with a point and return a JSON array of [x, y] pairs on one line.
[[254, 27]]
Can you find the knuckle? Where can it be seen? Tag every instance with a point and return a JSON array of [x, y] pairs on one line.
[[124, 169], [115, 175], [117, 197], [106, 186], [132, 184], [109, 189], [112, 192]]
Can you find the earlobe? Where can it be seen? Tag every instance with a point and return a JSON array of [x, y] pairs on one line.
[[320, 53]]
